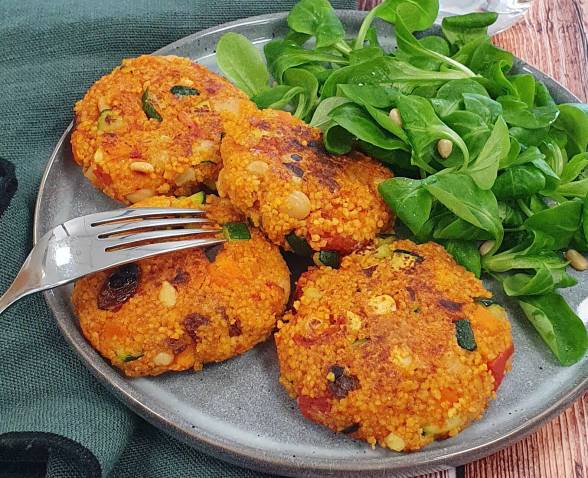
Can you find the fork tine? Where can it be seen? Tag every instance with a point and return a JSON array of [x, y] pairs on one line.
[[129, 239], [108, 229], [138, 213], [131, 254]]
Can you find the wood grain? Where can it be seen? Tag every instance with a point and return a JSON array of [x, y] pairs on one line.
[[557, 450], [441, 474], [552, 37]]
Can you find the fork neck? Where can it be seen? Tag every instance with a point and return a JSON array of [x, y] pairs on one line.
[[26, 282], [15, 292]]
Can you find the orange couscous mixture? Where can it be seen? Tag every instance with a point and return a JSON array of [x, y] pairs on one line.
[[181, 310], [151, 127], [372, 349], [278, 173]]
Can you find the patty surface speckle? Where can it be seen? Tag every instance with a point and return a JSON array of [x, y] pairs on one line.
[[278, 173], [152, 126], [394, 347], [181, 310]]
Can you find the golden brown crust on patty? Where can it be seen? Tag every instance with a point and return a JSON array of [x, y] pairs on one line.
[[371, 349], [187, 308], [278, 173], [130, 156]]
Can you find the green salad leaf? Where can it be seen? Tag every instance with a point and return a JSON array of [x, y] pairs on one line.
[[409, 45], [449, 226], [242, 63], [459, 193], [386, 71], [409, 199], [277, 97], [485, 168], [465, 253], [417, 14], [322, 115], [317, 18], [307, 82], [424, 129], [518, 182], [461, 29], [360, 124], [573, 119], [559, 222], [560, 328]]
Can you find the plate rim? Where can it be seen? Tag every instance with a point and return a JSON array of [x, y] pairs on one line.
[[117, 386]]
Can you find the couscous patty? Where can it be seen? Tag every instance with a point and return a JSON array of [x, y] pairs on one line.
[[152, 126], [181, 310], [396, 347], [276, 170]]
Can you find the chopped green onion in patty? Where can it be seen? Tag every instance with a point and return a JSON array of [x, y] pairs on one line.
[[485, 302], [127, 356]]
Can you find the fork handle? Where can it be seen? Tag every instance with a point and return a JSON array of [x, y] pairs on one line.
[[14, 293]]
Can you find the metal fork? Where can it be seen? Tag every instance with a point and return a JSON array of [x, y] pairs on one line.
[[100, 241]]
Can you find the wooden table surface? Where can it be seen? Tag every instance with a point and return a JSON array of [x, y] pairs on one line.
[[552, 37]]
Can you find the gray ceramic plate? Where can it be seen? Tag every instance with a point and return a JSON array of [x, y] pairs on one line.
[[236, 410]]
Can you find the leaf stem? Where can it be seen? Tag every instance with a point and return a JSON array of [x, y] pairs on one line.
[[365, 26], [452, 62], [301, 105], [524, 208], [343, 47]]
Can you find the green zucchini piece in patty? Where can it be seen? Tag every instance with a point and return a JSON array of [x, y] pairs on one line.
[[236, 231], [327, 258], [465, 335], [299, 245], [109, 121], [149, 108], [180, 90], [409, 253], [198, 198]]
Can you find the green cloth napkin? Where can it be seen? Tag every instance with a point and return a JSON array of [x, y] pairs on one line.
[[56, 420]]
